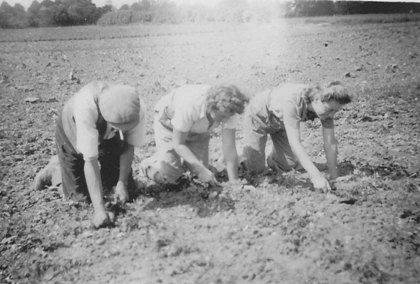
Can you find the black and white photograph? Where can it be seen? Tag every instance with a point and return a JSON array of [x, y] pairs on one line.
[[209, 141]]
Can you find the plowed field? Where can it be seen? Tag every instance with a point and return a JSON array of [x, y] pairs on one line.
[[275, 229]]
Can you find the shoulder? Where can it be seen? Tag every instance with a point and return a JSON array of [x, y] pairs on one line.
[[85, 100], [190, 97], [288, 93], [260, 99]]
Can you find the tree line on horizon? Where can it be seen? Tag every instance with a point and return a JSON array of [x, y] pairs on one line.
[[48, 13]]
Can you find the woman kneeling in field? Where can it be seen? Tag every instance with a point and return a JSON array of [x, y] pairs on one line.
[[95, 136], [278, 112], [183, 121]]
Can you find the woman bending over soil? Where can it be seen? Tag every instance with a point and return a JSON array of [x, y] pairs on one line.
[[183, 121], [278, 113], [96, 133]]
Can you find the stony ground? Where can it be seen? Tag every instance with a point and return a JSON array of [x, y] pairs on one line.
[[272, 229]]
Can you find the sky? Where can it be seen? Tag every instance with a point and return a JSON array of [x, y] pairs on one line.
[[119, 3]]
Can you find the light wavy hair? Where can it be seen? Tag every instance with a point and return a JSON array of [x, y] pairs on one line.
[[333, 91], [226, 98]]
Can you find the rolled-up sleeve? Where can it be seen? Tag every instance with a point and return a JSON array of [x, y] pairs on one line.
[[137, 136], [184, 119]]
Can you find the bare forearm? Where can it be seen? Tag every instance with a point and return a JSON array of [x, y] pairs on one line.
[[305, 160], [232, 165], [230, 153], [330, 148], [94, 184], [126, 160], [184, 152], [331, 155]]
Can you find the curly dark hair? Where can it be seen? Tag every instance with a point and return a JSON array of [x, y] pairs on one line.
[[226, 98], [333, 91]]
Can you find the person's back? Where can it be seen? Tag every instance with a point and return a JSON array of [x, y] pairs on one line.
[[95, 138], [278, 113], [183, 121], [285, 96]]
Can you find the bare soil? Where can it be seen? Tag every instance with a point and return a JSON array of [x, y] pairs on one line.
[[273, 228]]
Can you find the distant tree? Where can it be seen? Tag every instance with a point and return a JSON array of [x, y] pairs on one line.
[[143, 5], [135, 6], [6, 14], [33, 14], [13, 17], [47, 3], [125, 7], [141, 16], [120, 17], [60, 14], [99, 12], [47, 14], [146, 5], [323, 7], [20, 18], [305, 7], [166, 12], [161, 11], [81, 12], [51, 13]]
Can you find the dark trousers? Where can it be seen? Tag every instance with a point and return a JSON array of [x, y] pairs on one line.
[[72, 165]]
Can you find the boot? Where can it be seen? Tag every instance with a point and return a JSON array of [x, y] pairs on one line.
[[48, 176]]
